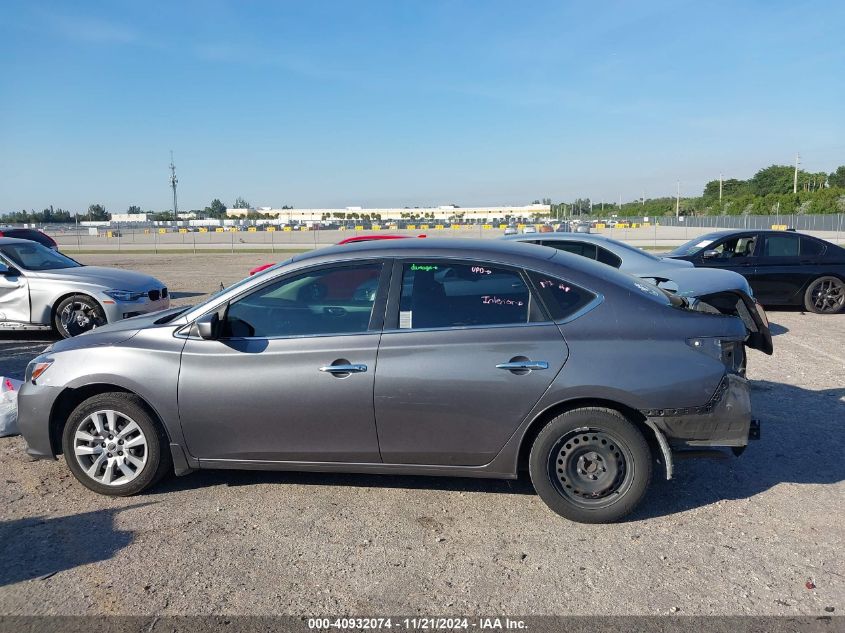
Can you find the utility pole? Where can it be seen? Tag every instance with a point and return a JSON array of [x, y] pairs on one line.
[[173, 183], [720, 189], [795, 177], [678, 202]]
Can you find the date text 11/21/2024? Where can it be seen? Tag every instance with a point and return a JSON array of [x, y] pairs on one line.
[[420, 623]]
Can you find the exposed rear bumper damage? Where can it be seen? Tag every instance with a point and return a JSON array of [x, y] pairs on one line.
[[724, 421]]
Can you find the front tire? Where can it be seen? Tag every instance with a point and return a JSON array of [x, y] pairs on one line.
[[590, 465], [825, 295], [77, 314], [113, 445]]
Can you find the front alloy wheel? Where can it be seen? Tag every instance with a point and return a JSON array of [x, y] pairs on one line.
[[110, 447], [590, 465], [114, 446]]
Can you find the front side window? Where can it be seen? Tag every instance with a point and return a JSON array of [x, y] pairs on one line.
[[336, 300], [450, 294], [736, 247]]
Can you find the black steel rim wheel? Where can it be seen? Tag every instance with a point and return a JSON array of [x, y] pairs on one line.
[[828, 295], [590, 467]]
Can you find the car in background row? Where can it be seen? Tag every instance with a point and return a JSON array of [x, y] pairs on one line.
[[33, 235], [724, 291], [783, 267], [477, 358], [348, 240], [41, 288]]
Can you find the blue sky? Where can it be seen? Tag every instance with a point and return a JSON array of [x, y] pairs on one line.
[[409, 102]]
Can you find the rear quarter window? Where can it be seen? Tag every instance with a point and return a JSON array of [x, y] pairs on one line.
[[561, 298]]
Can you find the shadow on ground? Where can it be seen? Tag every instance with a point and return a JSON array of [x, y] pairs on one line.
[[37, 548]]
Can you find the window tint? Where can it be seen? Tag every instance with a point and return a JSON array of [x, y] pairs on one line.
[[735, 247], [337, 300], [33, 256], [449, 294], [576, 248], [29, 234], [811, 248], [560, 297], [782, 246], [606, 257]]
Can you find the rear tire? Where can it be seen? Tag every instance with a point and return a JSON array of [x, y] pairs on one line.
[[590, 465], [114, 446], [825, 295]]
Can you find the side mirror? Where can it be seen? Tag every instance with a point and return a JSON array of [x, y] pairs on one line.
[[208, 326], [710, 254]]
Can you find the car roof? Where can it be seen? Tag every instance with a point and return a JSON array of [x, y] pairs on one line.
[[15, 240], [456, 247]]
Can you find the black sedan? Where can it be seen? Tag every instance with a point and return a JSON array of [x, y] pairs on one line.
[[783, 267]]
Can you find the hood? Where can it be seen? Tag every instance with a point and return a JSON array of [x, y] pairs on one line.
[[112, 278], [116, 332]]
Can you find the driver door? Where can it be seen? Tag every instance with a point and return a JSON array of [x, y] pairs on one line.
[[14, 295], [736, 253], [269, 387]]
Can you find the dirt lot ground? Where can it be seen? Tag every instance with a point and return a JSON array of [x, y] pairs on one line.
[[737, 536]]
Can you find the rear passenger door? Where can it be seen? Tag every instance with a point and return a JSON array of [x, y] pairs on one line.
[[786, 262], [466, 353]]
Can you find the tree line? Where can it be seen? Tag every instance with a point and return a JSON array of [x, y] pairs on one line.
[[768, 192]]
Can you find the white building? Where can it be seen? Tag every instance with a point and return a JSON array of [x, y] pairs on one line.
[[443, 213]]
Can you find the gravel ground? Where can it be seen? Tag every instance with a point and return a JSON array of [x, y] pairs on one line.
[[742, 536]]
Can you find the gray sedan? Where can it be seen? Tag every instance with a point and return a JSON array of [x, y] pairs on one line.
[[42, 288], [471, 358]]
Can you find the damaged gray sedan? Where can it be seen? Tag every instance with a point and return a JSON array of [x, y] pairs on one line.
[[428, 357]]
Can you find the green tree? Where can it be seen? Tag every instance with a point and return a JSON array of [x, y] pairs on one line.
[[97, 213], [240, 203], [216, 209], [134, 209], [837, 178]]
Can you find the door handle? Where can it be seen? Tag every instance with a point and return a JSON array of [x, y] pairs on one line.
[[523, 364], [354, 368]]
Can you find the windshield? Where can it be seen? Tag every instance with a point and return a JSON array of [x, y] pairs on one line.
[[33, 256], [693, 246]]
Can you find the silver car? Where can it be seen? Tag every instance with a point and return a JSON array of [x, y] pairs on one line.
[[41, 288], [728, 291], [474, 358]]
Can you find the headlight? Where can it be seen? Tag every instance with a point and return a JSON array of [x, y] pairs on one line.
[[125, 295], [36, 367]]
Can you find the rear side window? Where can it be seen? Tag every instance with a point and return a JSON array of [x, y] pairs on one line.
[[561, 298], [811, 248], [451, 294], [782, 246], [576, 248], [606, 257]]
